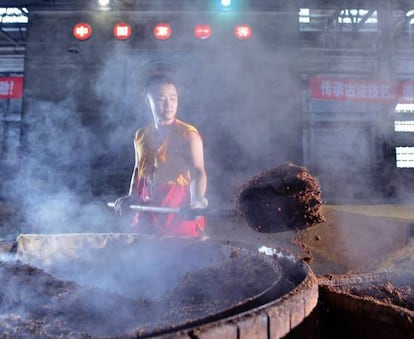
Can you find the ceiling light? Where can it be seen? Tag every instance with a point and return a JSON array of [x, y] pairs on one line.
[[104, 3]]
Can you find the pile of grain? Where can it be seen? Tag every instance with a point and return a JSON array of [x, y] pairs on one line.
[[285, 197], [34, 303]]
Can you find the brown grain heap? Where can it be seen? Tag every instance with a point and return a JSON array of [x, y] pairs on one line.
[[386, 293], [285, 197], [35, 304]]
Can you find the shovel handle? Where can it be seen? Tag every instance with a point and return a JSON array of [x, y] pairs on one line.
[[187, 213], [144, 208]]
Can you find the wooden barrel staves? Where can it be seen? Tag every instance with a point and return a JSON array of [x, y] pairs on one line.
[[379, 305]]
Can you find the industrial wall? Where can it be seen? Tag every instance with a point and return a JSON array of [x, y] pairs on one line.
[[357, 139]]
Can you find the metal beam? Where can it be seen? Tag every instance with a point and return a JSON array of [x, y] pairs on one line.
[[363, 20], [8, 37], [332, 18], [400, 25], [205, 4]]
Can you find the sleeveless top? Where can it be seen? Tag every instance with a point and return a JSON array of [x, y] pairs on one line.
[[163, 178]]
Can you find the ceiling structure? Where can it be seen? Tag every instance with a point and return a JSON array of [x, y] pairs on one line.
[[325, 16], [255, 5], [205, 4]]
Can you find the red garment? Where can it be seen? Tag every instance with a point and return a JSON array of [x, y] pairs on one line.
[[165, 224], [164, 179]]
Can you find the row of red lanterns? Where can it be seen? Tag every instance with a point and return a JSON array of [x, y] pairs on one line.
[[161, 31]]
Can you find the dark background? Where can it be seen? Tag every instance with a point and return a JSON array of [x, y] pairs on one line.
[[83, 103]]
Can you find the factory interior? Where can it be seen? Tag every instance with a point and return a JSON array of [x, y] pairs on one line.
[[322, 91]]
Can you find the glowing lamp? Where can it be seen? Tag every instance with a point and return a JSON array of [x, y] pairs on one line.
[[82, 31], [103, 3], [122, 31], [243, 32], [162, 31], [225, 3], [202, 31]]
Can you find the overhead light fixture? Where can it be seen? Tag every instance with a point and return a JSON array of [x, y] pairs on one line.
[[224, 5], [104, 3]]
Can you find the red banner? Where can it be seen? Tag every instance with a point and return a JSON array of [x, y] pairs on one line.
[[406, 92], [11, 87], [342, 89]]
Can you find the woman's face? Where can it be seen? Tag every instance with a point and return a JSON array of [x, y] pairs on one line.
[[163, 101]]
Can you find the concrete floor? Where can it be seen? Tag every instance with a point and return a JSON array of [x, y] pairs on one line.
[[405, 212], [353, 239]]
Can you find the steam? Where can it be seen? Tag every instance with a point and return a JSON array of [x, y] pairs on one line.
[[80, 141], [6, 257], [245, 97], [53, 189]]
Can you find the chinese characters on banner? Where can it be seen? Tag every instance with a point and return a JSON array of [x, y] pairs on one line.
[[82, 31], [11, 87], [406, 92], [362, 90], [243, 32], [161, 31], [202, 31], [122, 31]]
